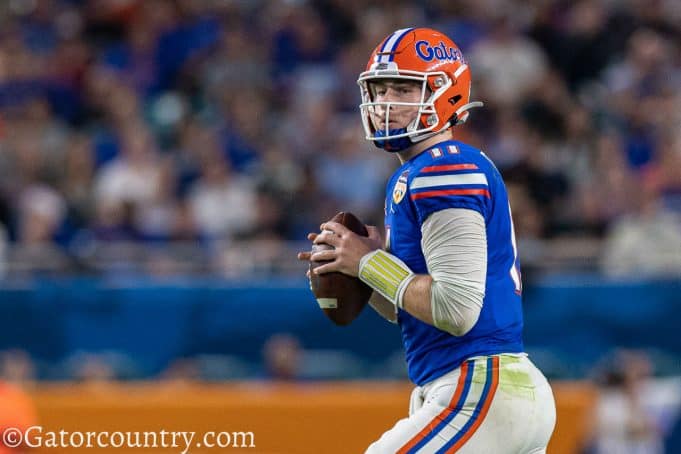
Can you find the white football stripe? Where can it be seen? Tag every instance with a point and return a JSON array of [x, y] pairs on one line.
[[448, 180], [327, 303]]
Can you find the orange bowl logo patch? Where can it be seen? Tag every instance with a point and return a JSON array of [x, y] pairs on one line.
[[400, 187]]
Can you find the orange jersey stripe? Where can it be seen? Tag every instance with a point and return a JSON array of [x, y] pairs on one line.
[[483, 411], [422, 195], [447, 167], [443, 414]]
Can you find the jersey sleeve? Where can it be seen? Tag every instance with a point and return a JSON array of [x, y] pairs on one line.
[[438, 187]]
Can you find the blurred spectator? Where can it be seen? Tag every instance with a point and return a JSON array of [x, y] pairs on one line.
[[244, 125], [507, 66], [282, 357], [114, 222], [666, 171], [351, 174], [647, 241], [157, 218], [528, 224], [3, 251], [16, 366], [78, 173], [98, 368], [181, 371], [593, 37], [42, 210], [634, 412], [301, 44], [41, 213], [223, 203], [634, 84], [237, 61], [134, 57], [612, 179], [134, 176]]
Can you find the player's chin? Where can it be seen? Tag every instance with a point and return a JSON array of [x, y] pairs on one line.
[[392, 125]]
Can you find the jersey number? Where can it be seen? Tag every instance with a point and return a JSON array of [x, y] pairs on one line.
[[515, 268]]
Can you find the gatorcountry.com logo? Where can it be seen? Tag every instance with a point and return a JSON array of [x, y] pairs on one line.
[[441, 52]]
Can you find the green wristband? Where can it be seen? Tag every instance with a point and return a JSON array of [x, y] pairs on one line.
[[386, 274]]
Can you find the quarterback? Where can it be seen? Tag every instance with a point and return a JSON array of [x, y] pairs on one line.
[[447, 271]]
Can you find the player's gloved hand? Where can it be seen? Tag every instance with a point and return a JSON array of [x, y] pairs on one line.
[[348, 248]]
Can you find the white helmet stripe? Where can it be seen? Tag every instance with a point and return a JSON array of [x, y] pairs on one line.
[[390, 44], [461, 69]]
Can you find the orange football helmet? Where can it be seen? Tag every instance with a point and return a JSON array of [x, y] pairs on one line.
[[421, 55]]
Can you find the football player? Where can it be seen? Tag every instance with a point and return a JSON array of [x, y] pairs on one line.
[[448, 270]]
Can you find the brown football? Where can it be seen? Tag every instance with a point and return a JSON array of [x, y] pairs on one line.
[[340, 296]]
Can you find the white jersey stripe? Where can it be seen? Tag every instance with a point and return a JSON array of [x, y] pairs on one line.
[[448, 180]]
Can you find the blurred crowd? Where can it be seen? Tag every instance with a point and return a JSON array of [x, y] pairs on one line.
[[222, 124]]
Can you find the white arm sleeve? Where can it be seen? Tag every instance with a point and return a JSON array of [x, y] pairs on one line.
[[454, 243]]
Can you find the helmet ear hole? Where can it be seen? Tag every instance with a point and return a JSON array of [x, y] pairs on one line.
[[454, 99]]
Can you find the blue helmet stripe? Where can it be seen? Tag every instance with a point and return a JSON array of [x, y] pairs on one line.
[[391, 43], [394, 48]]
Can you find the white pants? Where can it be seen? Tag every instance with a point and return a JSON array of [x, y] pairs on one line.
[[491, 404]]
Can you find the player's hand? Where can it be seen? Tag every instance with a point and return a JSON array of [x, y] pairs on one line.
[[349, 248], [305, 255]]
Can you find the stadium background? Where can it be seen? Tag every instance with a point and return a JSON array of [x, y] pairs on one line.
[[161, 162]]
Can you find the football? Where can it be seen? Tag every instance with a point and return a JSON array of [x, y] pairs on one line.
[[340, 296]]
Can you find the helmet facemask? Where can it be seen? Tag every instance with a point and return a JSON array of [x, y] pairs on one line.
[[426, 119]]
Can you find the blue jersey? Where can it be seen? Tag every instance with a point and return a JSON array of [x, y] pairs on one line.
[[455, 175]]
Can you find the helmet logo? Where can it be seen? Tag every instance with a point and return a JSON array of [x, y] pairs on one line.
[[441, 52]]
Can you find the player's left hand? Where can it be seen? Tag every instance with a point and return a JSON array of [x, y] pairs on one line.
[[305, 255], [349, 248]]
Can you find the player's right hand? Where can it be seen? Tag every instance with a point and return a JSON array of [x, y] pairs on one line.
[[347, 248]]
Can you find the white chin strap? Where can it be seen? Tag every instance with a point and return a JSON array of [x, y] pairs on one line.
[[462, 114], [427, 135]]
